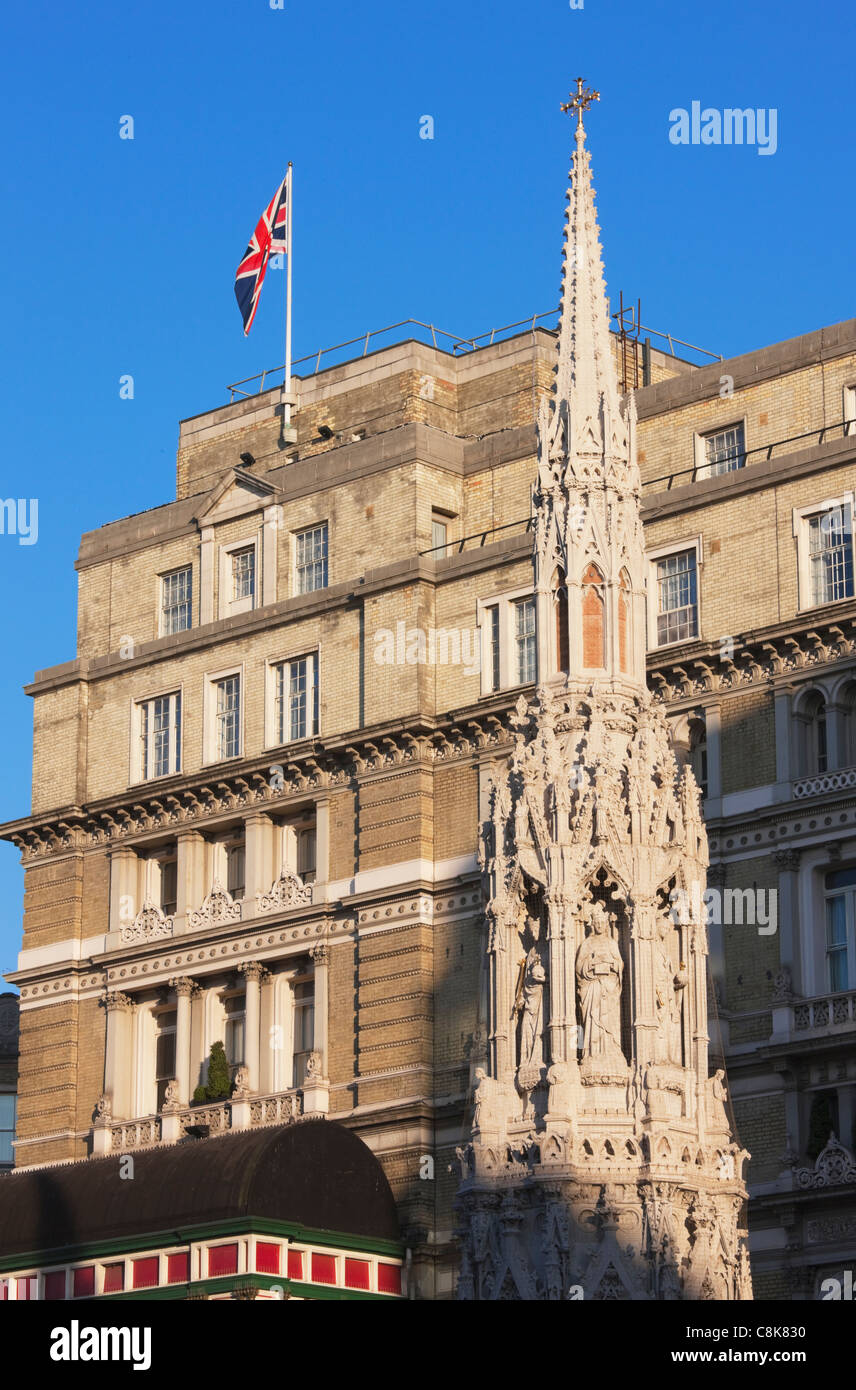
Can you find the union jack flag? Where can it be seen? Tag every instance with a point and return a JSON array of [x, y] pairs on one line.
[[269, 239]]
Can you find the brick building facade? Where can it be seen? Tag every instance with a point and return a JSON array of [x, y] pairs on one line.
[[257, 788]]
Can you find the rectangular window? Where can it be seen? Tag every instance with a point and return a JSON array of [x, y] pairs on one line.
[[160, 736], [267, 1257], [165, 1054], [297, 698], [306, 854], [229, 717], [146, 1272], [830, 549], [235, 870], [493, 646], [83, 1282], [724, 451], [439, 535], [841, 929], [524, 640], [178, 1268], [176, 602], [168, 886], [304, 1028], [114, 1277], [8, 1107], [677, 598], [223, 1259], [311, 559], [243, 573], [236, 1007], [54, 1286]]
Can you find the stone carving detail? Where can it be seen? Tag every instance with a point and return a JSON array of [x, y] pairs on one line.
[[241, 1085], [833, 1167], [287, 892], [171, 1102], [218, 909], [104, 1109], [150, 924], [621, 1173], [314, 1067]]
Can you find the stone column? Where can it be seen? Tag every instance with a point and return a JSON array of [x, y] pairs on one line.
[[322, 840], [260, 874], [253, 973], [206, 576], [190, 861], [785, 770], [184, 988], [316, 1087], [124, 890], [118, 1061], [787, 862], [562, 1048]]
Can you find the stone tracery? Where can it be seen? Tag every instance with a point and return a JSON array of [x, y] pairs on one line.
[[619, 1171]]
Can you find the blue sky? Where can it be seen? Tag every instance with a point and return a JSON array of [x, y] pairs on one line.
[[119, 255]]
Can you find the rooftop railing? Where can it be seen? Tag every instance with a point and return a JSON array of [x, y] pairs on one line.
[[429, 333]]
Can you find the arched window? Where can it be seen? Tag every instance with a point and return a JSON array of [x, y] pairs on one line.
[[560, 603], [624, 631], [593, 625], [698, 753], [811, 717]]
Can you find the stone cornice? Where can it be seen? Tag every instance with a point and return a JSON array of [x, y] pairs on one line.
[[317, 767], [778, 654]]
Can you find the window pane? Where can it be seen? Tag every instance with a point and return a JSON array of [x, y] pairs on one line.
[[677, 612], [524, 636], [243, 573], [235, 871], [176, 601], [725, 451], [438, 536], [160, 736], [830, 545], [311, 559], [228, 717]]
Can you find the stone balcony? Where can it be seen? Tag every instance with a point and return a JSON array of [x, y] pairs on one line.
[[178, 1121], [823, 1015], [825, 782]]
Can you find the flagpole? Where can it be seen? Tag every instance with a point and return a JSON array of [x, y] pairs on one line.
[[287, 382]]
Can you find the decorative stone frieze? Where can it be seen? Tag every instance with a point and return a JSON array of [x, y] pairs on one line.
[[833, 1167], [150, 924], [218, 909], [287, 892]]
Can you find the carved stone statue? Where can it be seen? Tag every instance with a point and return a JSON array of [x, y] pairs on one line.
[[600, 971], [171, 1101], [669, 986], [531, 1007]]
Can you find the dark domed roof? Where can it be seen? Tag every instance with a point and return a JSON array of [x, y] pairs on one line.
[[314, 1173]]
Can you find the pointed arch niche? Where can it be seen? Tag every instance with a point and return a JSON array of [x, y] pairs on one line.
[[559, 588], [625, 631], [593, 624]]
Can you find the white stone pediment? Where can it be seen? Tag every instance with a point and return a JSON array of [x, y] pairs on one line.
[[237, 494]]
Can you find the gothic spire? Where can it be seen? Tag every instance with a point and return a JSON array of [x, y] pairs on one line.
[[586, 374]]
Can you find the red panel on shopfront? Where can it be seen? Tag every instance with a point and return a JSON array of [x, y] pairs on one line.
[[295, 1264], [27, 1288], [84, 1282], [55, 1286], [178, 1268], [223, 1259], [114, 1278], [356, 1274], [147, 1272], [324, 1269], [267, 1257], [389, 1278]]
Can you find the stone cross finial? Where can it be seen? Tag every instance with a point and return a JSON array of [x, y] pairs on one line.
[[580, 100]]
